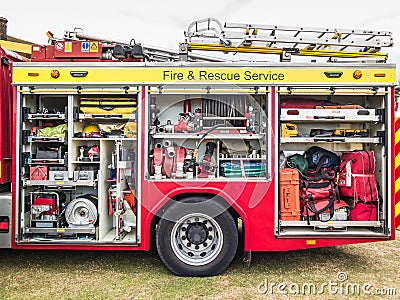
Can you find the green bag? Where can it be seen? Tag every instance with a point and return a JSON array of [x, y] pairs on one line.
[[56, 131], [297, 161]]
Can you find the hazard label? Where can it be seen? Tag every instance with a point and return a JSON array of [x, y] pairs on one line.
[[68, 47], [94, 46], [85, 47], [59, 46]]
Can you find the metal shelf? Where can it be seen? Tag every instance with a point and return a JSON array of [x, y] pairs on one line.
[[56, 161], [43, 139], [104, 139], [106, 117], [221, 136], [331, 223], [361, 140], [241, 158], [61, 231], [45, 117], [59, 183], [331, 115]]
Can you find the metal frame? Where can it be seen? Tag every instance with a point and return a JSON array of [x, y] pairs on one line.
[[284, 40]]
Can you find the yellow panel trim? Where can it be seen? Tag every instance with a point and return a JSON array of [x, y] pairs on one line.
[[397, 209], [397, 185], [397, 136], [206, 75], [17, 47], [336, 92], [75, 91], [397, 161]]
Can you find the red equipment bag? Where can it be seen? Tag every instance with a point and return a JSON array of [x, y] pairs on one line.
[[361, 162], [322, 206], [363, 212], [318, 192], [356, 178]]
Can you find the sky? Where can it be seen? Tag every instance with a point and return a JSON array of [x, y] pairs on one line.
[[162, 23]]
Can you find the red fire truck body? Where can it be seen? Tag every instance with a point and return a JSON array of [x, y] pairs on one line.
[[251, 201], [200, 158]]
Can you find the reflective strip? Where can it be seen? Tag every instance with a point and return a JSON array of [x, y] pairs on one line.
[[397, 161], [397, 172], [397, 209], [397, 187]]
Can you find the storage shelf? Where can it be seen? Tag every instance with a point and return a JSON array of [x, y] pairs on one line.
[[105, 139], [372, 140], [331, 223], [85, 162], [106, 116], [59, 183], [221, 136], [241, 158], [331, 115], [61, 231], [37, 161], [45, 117], [40, 139]]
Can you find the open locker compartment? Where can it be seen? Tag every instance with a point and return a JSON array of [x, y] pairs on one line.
[[219, 136], [356, 120], [65, 199], [119, 192], [107, 120]]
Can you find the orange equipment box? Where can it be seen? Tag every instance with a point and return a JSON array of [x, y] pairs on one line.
[[289, 195]]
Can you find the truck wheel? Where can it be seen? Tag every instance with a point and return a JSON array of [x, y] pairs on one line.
[[196, 237]]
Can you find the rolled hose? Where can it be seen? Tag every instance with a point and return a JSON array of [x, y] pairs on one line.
[[82, 211]]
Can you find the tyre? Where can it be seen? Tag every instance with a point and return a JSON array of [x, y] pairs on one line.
[[196, 237]]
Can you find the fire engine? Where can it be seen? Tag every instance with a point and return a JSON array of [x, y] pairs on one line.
[[114, 150]]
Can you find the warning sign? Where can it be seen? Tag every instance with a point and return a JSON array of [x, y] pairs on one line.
[[94, 46], [59, 46], [85, 47], [68, 47]]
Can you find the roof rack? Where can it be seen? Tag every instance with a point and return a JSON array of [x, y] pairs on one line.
[[210, 35], [153, 53]]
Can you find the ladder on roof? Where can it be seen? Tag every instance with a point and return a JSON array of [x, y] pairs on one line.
[[210, 35]]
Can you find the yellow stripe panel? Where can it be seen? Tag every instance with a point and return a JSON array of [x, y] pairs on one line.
[[397, 210], [397, 136], [131, 74], [397, 161], [17, 47], [397, 185]]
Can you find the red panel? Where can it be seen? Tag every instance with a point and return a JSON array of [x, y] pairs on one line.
[[6, 91], [397, 124]]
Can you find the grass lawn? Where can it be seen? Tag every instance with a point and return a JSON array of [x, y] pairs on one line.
[[140, 275]]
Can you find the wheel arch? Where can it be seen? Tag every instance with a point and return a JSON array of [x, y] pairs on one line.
[[234, 210]]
